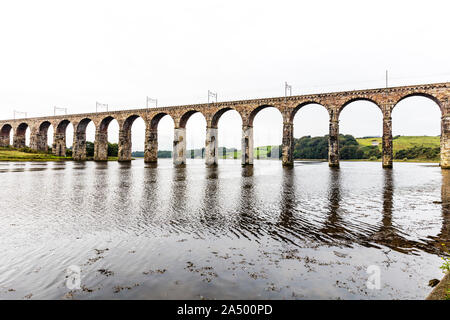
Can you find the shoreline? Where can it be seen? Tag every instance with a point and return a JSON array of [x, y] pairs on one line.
[[442, 289]]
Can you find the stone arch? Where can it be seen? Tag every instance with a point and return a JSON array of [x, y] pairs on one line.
[[355, 99], [421, 94], [19, 135], [79, 152], [125, 140], [101, 138], [102, 126], [365, 118], [59, 138], [5, 135], [304, 104], [212, 151], [156, 118], [185, 117], [255, 111], [151, 137], [62, 126], [219, 113], [41, 139]]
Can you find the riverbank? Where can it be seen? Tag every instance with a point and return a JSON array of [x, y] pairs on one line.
[[442, 290], [368, 160], [17, 155]]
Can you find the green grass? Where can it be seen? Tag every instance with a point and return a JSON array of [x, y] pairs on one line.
[[404, 142], [7, 154]]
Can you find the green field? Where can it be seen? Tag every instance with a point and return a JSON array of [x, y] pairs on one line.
[[404, 142], [7, 154]]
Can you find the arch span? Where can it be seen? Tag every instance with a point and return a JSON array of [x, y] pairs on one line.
[[151, 137], [79, 140], [125, 139], [101, 138], [247, 133], [421, 94], [5, 135], [19, 135], [304, 104], [59, 138], [39, 139], [425, 118]]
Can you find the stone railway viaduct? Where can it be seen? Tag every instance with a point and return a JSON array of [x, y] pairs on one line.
[[385, 98]]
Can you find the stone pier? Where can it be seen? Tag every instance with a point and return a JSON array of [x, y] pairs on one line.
[[247, 145], [124, 145], [288, 144], [211, 147], [333, 141], [445, 141], [4, 140], [79, 146], [151, 145], [179, 147], [59, 144], [387, 145], [34, 138], [101, 145]]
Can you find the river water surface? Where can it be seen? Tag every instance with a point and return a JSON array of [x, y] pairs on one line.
[[158, 232]]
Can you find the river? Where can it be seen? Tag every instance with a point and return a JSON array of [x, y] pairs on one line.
[[138, 231]]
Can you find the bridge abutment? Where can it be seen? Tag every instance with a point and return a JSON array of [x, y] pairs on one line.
[[288, 144], [59, 144], [445, 142], [179, 147], [387, 144], [151, 146], [333, 143], [211, 147], [124, 145], [247, 145]]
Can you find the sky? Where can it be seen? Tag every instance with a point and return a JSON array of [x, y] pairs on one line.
[[73, 53]]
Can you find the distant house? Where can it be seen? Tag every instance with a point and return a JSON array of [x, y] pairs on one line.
[[375, 142]]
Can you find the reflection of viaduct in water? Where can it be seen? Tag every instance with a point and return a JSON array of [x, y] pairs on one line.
[[335, 229], [386, 99]]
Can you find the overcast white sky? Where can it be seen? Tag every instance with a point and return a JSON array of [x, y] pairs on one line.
[[74, 53]]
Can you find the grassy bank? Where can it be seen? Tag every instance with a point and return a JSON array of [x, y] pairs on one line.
[[11, 154]]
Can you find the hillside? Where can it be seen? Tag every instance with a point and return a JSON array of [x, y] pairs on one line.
[[404, 142]]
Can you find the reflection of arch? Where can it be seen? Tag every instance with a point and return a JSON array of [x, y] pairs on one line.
[[258, 109], [5, 135], [421, 94], [304, 104], [218, 114]]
